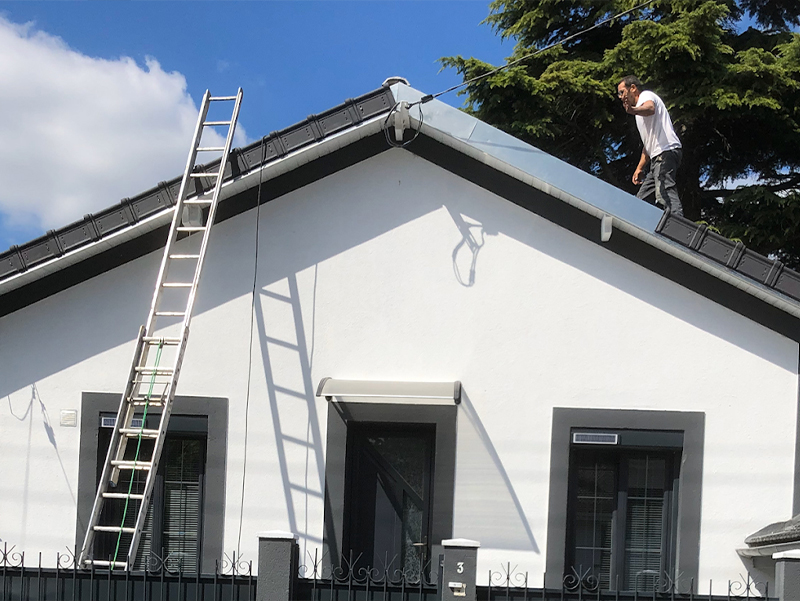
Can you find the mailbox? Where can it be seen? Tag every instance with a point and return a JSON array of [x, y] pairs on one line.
[[459, 569]]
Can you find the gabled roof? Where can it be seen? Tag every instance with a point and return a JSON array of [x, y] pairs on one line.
[[691, 255]]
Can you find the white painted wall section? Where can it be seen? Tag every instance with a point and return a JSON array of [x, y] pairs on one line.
[[394, 269]]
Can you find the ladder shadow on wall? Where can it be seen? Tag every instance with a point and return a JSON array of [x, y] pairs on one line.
[[290, 391]]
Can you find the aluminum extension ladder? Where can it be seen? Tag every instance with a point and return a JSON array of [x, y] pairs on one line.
[[126, 484]]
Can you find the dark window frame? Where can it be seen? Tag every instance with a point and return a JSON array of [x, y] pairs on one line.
[[355, 510], [340, 414], [690, 423], [215, 409], [619, 456]]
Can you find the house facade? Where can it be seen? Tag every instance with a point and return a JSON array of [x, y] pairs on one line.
[[395, 345]]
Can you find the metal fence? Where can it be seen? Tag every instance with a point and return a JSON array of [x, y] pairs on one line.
[[22, 578], [232, 580], [350, 582], [511, 584]]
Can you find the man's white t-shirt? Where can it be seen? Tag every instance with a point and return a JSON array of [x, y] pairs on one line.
[[656, 130]]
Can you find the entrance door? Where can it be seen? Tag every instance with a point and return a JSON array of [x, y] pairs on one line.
[[388, 483]]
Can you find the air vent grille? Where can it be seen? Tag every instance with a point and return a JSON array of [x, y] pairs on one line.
[[111, 421], [595, 438]]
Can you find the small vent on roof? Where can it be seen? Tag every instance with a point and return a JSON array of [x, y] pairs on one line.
[[594, 438], [110, 422], [390, 81]]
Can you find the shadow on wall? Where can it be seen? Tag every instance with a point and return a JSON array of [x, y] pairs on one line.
[[309, 226], [28, 415], [487, 506], [473, 238], [285, 353]]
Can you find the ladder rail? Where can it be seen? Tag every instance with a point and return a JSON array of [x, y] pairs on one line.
[[142, 374], [156, 457], [176, 218], [108, 469], [212, 211]]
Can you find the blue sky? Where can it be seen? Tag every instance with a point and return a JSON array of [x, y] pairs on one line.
[[92, 84]]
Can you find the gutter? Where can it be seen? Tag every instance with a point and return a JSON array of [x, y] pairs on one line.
[[230, 188], [783, 550]]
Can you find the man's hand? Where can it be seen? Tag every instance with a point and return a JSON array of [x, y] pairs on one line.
[[626, 105], [638, 176]]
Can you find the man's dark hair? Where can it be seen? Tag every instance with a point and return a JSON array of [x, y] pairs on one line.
[[630, 80]]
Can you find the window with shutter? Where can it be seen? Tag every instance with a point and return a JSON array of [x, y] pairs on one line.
[[173, 527], [621, 522]]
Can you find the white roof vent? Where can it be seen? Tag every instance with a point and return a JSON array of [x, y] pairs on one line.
[[390, 81]]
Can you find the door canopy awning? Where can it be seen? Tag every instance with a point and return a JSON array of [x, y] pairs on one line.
[[381, 389]]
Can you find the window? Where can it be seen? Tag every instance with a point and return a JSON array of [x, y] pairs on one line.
[[185, 522], [173, 526], [389, 481], [388, 495], [622, 522], [625, 497]]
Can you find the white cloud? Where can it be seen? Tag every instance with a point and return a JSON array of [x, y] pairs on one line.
[[78, 133]]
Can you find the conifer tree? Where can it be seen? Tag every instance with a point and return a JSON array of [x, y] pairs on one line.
[[728, 70]]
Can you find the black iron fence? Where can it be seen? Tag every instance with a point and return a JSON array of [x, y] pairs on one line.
[[350, 581], [511, 584], [22, 578]]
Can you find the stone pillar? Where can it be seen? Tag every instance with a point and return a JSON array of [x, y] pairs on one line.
[[278, 555], [459, 570], [787, 575]]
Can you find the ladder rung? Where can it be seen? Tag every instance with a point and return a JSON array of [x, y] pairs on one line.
[[177, 284], [156, 340], [125, 464], [142, 403], [191, 228], [159, 371], [103, 563], [219, 98], [114, 529], [217, 123], [204, 174], [122, 495], [200, 201], [169, 314], [184, 256], [134, 433], [210, 148]]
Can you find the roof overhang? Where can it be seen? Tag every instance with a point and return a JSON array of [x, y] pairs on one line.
[[397, 391]]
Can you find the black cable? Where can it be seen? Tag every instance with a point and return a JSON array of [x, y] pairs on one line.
[[389, 140], [250, 350], [430, 97]]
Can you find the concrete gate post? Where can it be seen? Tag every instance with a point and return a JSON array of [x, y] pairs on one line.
[[278, 554]]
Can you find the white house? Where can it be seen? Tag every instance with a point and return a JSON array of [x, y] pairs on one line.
[[498, 367]]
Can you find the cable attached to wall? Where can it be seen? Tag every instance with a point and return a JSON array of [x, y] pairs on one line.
[[250, 350]]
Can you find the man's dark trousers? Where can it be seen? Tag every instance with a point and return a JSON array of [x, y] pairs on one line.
[[660, 181]]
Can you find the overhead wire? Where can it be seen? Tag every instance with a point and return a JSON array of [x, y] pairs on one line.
[[250, 356], [569, 38]]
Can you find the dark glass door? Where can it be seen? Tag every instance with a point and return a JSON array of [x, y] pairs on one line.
[[389, 475]]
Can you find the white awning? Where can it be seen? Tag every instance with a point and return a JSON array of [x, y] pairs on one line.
[[381, 390]]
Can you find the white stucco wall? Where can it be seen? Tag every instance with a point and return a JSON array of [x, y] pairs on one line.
[[369, 273]]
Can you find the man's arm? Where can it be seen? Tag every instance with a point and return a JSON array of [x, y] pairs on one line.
[[648, 108], [638, 175]]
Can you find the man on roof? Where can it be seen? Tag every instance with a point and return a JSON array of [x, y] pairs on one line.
[[662, 152]]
